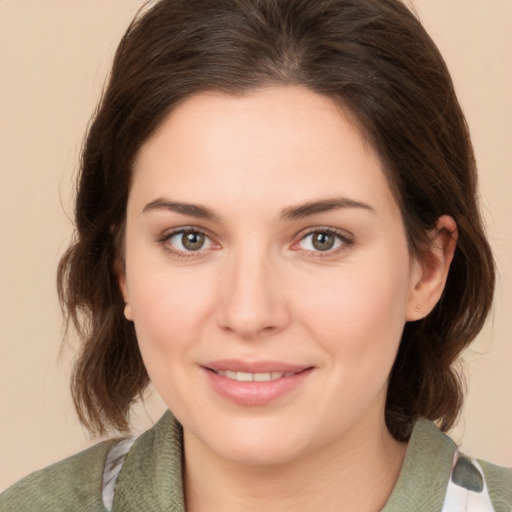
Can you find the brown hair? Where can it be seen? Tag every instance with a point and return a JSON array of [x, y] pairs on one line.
[[372, 56]]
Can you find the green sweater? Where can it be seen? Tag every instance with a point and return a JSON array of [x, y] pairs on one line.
[[151, 477]]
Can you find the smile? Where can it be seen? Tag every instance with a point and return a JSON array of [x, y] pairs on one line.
[[254, 383], [253, 377]]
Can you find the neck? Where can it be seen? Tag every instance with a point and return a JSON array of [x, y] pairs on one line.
[[357, 471]]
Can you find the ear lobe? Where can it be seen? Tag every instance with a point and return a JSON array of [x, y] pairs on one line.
[[121, 280], [128, 313], [430, 274]]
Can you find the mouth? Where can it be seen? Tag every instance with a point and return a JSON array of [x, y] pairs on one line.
[[253, 377], [255, 383]]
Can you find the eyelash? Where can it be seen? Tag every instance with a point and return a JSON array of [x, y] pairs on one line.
[[341, 236], [185, 255], [344, 242]]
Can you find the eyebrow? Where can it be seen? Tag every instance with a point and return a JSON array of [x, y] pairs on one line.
[[192, 210], [325, 205], [290, 213]]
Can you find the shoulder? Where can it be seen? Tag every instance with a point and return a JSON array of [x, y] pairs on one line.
[[71, 484], [144, 478], [498, 480], [437, 476]]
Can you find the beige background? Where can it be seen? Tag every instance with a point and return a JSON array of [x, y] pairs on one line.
[[53, 58]]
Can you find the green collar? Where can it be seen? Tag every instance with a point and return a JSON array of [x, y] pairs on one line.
[[425, 472], [152, 476]]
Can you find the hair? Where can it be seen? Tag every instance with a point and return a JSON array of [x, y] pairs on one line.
[[375, 59]]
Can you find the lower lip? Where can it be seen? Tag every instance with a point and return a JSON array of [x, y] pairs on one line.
[[255, 393]]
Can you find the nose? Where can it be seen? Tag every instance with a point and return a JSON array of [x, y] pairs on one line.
[[252, 302]]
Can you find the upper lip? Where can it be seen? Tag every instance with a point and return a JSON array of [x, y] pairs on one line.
[[254, 366]]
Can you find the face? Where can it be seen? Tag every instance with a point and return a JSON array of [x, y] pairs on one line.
[[267, 273]]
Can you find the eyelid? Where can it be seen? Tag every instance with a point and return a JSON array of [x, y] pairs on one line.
[[168, 234], [345, 238]]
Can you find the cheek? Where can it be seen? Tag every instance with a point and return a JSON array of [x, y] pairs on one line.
[[169, 302], [170, 311], [358, 313], [171, 308]]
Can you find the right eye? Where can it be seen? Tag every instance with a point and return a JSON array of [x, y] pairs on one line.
[[187, 240]]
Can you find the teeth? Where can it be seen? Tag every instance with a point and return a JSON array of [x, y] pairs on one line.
[[263, 377], [256, 377]]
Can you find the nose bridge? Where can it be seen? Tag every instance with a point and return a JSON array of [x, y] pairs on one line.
[[252, 301]]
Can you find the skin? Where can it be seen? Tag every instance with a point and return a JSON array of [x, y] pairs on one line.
[[259, 289]]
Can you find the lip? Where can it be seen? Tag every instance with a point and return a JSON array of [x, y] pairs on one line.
[[255, 393], [254, 366]]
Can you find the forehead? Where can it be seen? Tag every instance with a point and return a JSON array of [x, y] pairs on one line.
[[277, 145]]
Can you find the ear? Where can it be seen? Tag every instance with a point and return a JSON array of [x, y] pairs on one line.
[[429, 275], [120, 271]]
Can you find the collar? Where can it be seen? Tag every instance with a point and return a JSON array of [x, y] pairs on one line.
[[425, 473], [152, 474]]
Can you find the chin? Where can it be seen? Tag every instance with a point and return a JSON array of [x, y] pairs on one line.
[[271, 453], [254, 442]]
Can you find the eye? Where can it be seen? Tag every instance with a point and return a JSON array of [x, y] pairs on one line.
[[323, 241], [188, 241]]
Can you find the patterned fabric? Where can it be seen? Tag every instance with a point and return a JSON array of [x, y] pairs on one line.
[[466, 492], [151, 478], [467, 489], [113, 465]]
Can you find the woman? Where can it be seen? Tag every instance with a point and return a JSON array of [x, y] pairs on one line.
[[277, 225]]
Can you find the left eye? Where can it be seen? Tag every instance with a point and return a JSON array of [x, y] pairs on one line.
[[189, 241], [321, 241]]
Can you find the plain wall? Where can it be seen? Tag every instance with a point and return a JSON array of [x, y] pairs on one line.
[[54, 56]]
